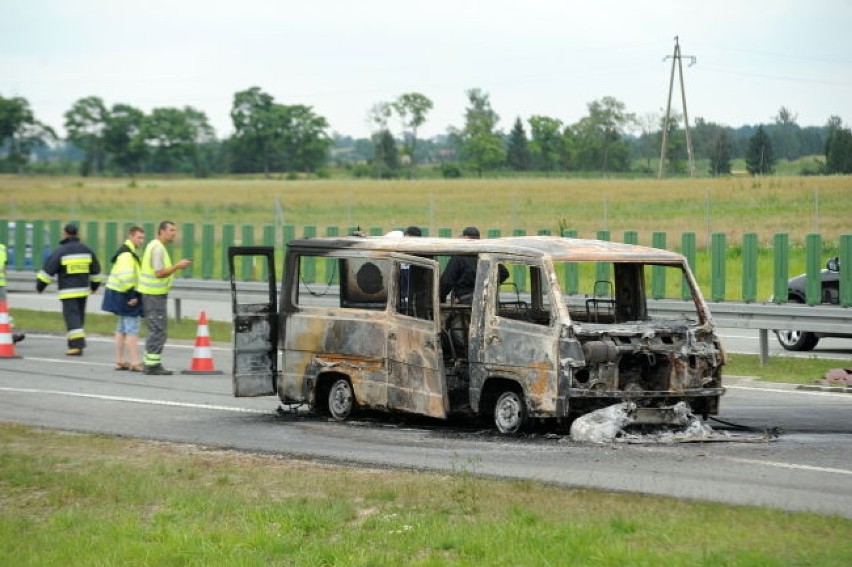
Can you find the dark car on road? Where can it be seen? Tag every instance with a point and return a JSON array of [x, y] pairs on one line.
[[803, 340]]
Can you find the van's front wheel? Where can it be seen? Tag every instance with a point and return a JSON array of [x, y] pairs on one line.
[[510, 413], [341, 400]]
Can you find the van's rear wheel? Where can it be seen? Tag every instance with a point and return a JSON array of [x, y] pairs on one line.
[[510, 413], [341, 400]]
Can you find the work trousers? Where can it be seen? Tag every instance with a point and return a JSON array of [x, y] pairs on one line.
[[74, 312], [154, 307]]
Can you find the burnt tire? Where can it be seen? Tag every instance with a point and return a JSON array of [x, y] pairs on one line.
[[341, 400], [796, 340], [510, 413]]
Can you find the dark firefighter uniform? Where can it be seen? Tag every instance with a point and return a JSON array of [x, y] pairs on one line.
[[78, 274]]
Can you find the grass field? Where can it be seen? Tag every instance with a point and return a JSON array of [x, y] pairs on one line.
[[795, 205], [70, 499]]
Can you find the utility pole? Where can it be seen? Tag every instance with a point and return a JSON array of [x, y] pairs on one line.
[[676, 58]]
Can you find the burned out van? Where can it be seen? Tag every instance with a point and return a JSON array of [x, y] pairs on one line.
[[360, 325]]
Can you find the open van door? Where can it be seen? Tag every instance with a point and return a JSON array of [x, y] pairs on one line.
[[255, 314], [415, 363]]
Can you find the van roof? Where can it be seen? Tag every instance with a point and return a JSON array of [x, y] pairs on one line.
[[559, 249]]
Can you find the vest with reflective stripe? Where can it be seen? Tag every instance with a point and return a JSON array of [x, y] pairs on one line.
[[3, 259], [149, 283], [124, 274]]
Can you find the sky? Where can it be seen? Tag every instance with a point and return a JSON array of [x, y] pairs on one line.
[[341, 57]]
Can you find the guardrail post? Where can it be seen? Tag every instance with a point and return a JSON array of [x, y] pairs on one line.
[[781, 267], [493, 233], [717, 266], [813, 262], [631, 237], [763, 341], [228, 239], [846, 270], [687, 248], [571, 274], [544, 232], [376, 231], [749, 289], [658, 273], [519, 272]]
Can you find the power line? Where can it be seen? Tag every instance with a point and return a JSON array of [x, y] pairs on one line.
[[677, 58]]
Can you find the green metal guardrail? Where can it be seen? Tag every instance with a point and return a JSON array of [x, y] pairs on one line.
[[209, 255]]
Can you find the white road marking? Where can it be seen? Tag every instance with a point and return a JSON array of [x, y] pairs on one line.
[[67, 361], [134, 400], [793, 466], [794, 391]]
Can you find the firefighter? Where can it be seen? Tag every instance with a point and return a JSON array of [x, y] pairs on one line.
[[78, 275]]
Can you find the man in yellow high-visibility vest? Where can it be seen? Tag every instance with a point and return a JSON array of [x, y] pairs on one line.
[[155, 280]]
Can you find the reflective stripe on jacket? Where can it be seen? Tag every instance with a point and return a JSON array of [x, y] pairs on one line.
[[74, 266], [124, 274], [3, 259], [149, 283]]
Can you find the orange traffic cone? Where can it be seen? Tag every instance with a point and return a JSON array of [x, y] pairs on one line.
[[7, 345], [202, 359]]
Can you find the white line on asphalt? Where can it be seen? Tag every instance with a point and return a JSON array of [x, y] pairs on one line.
[[67, 361], [786, 465], [133, 400]]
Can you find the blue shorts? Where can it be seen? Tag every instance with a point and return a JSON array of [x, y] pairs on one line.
[[128, 326]]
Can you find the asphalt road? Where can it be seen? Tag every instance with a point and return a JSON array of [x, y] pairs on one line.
[[809, 467]]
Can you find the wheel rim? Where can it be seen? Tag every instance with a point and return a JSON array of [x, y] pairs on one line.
[[789, 338], [340, 400], [509, 413]]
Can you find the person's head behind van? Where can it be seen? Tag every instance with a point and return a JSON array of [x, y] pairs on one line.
[[470, 232]]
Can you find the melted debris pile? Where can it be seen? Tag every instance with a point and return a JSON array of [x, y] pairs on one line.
[[619, 423]]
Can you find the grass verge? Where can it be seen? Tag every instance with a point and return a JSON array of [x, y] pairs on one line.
[[104, 324], [784, 369], [69, 499]]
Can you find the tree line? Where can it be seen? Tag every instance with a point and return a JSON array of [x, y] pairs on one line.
[[274, 138]]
